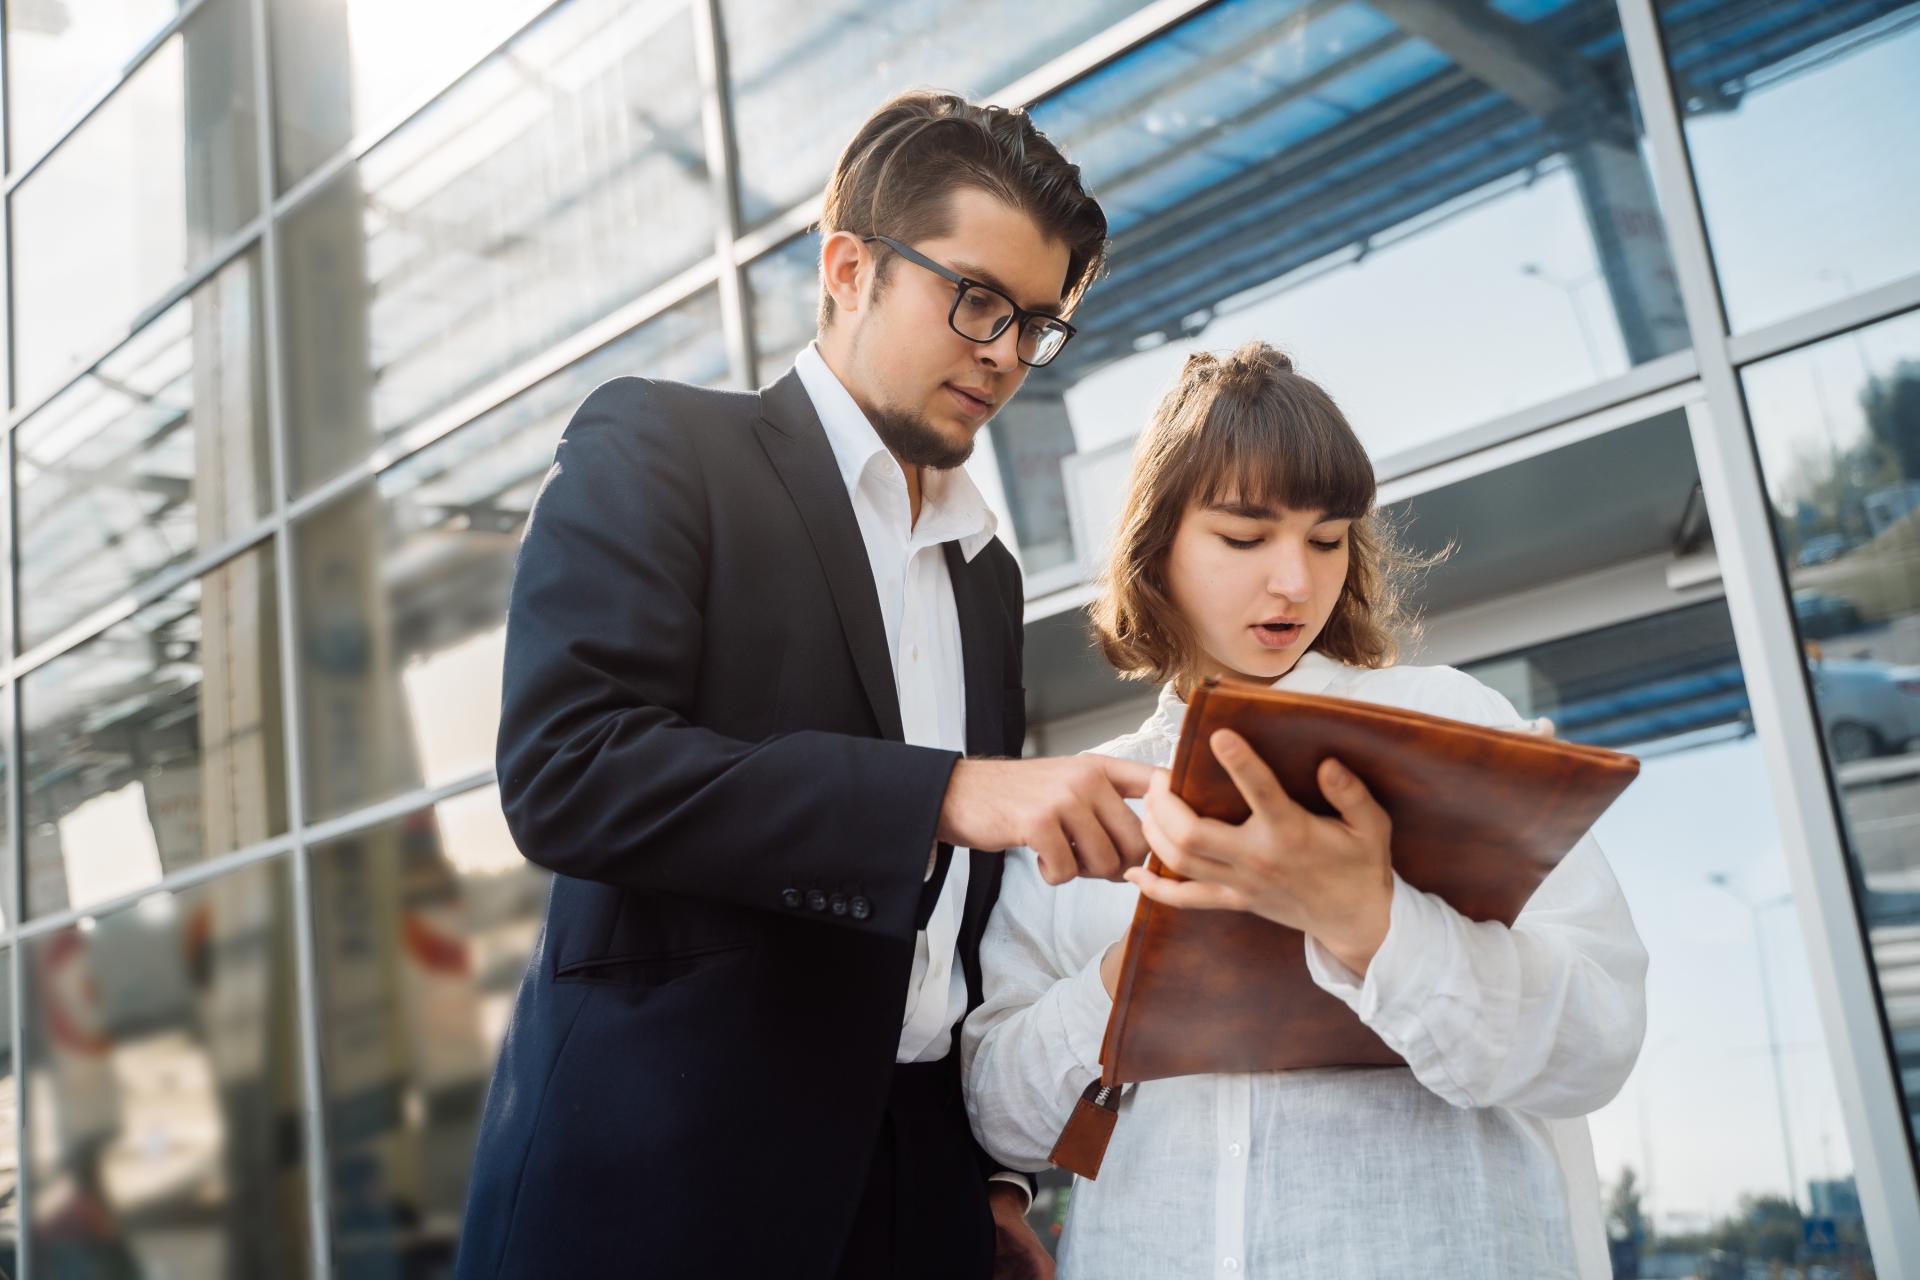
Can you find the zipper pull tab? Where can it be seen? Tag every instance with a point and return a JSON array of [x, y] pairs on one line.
[[1082, 1144]]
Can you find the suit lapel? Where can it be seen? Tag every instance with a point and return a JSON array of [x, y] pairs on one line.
[[796, 444]]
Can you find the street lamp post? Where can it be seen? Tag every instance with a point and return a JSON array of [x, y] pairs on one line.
[[1720, 881], [1570, 289]]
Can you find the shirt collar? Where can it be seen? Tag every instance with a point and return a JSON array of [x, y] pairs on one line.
[[951, 507], [1313, 673]]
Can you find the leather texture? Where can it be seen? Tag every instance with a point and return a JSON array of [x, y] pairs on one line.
[[1480, 817]]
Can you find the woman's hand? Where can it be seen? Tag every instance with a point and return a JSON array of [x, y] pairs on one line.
[[1331, 878]]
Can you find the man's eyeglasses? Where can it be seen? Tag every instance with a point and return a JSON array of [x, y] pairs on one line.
[[981, 313]]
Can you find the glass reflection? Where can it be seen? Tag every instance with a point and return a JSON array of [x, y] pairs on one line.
[[562, 179], [156, 455], [1800, 119], [341, 67], [1729, 1131], [9, 1128], [1838, 430], [785, 287], [423, 929], [1443, 221], [158, 176], [60, 54], [843, 58], [165, 1076], [403, 582], [158, 743]]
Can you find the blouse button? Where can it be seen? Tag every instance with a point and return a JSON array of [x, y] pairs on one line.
[[1233, 1149], [1229, 1264]]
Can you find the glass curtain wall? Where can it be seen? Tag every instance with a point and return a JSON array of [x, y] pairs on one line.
[[299, 293]]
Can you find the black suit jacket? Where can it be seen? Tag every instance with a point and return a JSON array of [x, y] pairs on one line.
[[701, 737]]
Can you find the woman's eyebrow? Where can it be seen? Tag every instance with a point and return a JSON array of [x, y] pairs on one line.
[[1256, 511]]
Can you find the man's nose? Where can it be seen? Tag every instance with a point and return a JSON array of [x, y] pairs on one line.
[[1003, 352]]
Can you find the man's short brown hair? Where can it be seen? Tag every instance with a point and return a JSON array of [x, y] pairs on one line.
[[895, 177]]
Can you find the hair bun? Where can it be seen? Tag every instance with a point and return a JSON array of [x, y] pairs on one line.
[[1257, 359]]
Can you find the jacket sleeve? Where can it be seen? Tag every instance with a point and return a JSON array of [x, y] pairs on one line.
[[603, 778], [1545, 1017]]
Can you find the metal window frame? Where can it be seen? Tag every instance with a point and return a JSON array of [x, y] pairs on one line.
[[1722, 440], [1757, 598]]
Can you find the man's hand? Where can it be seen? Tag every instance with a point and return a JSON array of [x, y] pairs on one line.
[[1017, 1252], [1070, 810], [1331, 878]]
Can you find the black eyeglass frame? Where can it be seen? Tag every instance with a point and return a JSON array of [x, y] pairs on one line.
[[1018, 316]]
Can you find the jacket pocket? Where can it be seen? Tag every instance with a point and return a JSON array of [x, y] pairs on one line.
[[647, 971]]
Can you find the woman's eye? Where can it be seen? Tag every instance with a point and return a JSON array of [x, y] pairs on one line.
[[1328, 544], [1240, 544]]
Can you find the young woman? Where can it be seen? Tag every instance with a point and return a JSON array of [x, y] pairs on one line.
[[1249, 550]]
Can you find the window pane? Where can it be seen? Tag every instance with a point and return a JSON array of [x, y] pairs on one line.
[[157, 744], [165, 1086], [61, 54], [341, 67], [1800, 119], [9, 906], [154, 457], [423, 929], [843, 58], [9, 1127], [785, 287], [1838, 430], [403, 582], [1443, 221], [163, 172], [1732, 1111], [561, 181]]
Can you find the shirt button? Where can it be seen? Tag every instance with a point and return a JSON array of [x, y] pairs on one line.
[[817, 900], [1229, 1264], [1233, 1149], [839, 904], [861, 908], [790, 897]]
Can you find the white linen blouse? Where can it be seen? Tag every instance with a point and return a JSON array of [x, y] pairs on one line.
[[1471, 1161]]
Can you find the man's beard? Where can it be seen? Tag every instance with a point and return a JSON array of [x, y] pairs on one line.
[[913, 440]]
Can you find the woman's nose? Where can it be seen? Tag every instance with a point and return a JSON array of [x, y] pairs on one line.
[[1287, 576]]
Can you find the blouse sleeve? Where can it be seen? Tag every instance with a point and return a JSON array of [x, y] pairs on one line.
[[1033, 1045], [1546, 1017]]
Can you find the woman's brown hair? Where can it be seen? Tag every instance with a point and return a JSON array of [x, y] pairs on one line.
[[1250, 429]]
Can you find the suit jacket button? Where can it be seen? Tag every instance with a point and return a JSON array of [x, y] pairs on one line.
[[817, 900], [861, 908], [790, 897], [839, 904]]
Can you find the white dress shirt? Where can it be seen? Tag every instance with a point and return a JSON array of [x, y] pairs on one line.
[[1471, 1161], [923, 636]]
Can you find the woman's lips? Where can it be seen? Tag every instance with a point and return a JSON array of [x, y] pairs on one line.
[[1275, 637]]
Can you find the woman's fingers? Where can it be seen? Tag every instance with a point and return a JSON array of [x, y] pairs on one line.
[[1358, 808], [1200, 895]]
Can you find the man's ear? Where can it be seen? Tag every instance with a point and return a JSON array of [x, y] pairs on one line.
[[845, 268]]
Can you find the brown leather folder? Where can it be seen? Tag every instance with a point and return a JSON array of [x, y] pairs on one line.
[[1480, 816]]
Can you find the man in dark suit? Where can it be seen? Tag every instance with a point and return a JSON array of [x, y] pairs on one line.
[[761, 652]]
